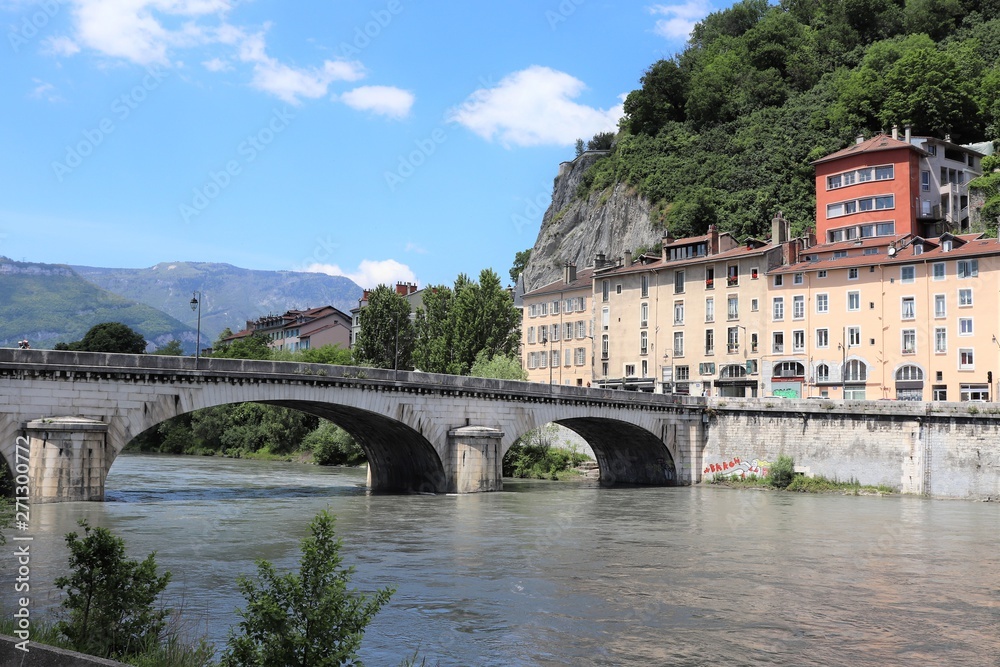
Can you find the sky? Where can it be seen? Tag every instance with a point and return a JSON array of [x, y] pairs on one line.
[[382, 140]]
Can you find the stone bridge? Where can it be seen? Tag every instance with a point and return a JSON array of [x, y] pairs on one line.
[[65, 416]]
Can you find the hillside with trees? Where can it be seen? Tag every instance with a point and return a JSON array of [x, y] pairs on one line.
[[724, 132]]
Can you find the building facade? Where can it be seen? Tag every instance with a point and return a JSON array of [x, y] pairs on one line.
[[301, 329], [557, 337]]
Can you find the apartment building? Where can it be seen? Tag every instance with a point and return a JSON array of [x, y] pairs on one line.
[[297, 330], [906, 319], [688, 320], [888, 186], [557, 338]]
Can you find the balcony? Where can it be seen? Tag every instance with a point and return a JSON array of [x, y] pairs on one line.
[[709, 283], [778, 348], [733, 281], [733, 349]]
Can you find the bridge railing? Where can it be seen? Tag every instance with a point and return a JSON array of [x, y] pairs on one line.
[[71, 361]]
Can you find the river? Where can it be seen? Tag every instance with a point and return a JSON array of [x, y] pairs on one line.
[[565, 573]]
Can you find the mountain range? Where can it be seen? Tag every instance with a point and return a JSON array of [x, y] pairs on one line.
[[50, 303]]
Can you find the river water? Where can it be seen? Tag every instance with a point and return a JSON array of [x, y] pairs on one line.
[[565, 573]]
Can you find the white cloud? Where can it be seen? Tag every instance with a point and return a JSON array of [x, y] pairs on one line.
[[370, 273], [414, 247], [45, 90], [681, 19], [60, 46], [217, 65], [383, 100], [534, 107]]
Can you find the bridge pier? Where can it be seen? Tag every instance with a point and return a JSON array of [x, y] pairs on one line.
[[69, 459], [476, 459]]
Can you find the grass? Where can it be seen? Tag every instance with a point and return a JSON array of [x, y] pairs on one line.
[[803, 484]]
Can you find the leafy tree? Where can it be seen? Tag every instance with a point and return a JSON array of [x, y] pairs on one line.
[[332, 446], [578, 148], [432, 350], [306, 619], [108, 337], [483, 319], [386, 336], [253, 427], [693, 211], [171, 349], [602, 141], [661, 99], [110, 599], [499, 367], [520, 261], [781, 472], [255, 346]]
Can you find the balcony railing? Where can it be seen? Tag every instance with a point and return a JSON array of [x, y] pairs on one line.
[[778, 349], [732, 281]]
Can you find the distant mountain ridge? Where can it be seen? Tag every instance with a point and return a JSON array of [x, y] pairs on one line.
[[230, 295], [50, 303]]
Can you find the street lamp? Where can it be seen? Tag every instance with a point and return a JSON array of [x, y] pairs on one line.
[[196, 305]]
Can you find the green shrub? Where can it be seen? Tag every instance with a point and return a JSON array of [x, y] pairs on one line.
[[781, 472], [331, 446]]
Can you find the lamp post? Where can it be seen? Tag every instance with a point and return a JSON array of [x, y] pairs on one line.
[[196, 305]]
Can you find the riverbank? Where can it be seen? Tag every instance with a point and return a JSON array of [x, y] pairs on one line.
[[803, 484]]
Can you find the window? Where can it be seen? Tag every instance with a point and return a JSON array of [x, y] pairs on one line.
[[798, 279], [965, 326], [682, 373], [568, 305], [938, 270], [733, 308], [940, 340], [798, 307], [555, 307], [925, 181], [822, 373], [568, 330], [532, 360], [533, 310], [853, 301], [581, 329], [581, 303], [883, 173], [581, 356], [678, 343], [543, 308], [753, 342], [531, 334], [569, 357], [822, 338], [604, 347], [854, 393], [618, 288], [678, 282], [709, 341], [909, 341], [909, 308], [707, 368], [798, 340], [733, 371], [940, 308], [605, 318], [555, 358], [909, 373], [833, 182], [940, 392], [788, 369], [709, 310], [754, 273], [543, 333], [852, 274], [855, 371], [778, 342], [853, 336], [778, 309], [885, 202], [644, 314], [732, 339], [630, 370], [964, 297], [885, 228], [821, 274], [643, 286], [907, 274], [543, 359], [678, 312], [643, 342], [822, 303], [732, 275], [966, 359], [754, 305], [645, 368], [605, 290], [839, 254], [974, 392], [779, 280], [709, 277], [555, 332], [968, 268]]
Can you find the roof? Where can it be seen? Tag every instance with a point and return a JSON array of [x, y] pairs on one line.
[[583, 281], [969, 245], [880, 142], [738, 252]]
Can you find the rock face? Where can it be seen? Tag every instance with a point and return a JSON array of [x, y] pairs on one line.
[[575, 230]]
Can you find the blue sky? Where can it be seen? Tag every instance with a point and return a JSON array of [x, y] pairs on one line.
[[383, 140]]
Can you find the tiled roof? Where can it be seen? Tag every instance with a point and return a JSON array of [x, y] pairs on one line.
[[880, 142], [733, 253], [972, 245], [583, 280]]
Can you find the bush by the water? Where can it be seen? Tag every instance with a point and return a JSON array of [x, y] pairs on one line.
[[782, 471], [534, 456]]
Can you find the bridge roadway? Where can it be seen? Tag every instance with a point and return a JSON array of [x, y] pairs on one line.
[[75, 412]]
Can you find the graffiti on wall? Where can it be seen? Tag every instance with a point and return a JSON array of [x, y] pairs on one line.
[[738, 466]]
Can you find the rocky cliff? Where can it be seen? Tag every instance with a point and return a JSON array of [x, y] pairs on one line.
[[575, 230]]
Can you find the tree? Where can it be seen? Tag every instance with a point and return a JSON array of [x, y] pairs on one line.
[[498, 367], [520, 261], [483, 319], [254, 346], [661, 99], [171, 349], [333, 446], [386, 336], [109, 597], [306, 619], [108, 337], [432, 348], [602, 141], [579, 147]]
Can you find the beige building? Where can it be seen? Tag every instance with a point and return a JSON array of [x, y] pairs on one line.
[[904, 318], [557, 330], [688, 321]]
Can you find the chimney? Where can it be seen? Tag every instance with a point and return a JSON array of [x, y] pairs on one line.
[[365, 295], [569, 273], [628, 258], [713, 240], [947, 138], [895, 132], [600, 260], [779, 229], [906, 136], [860, 139]]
